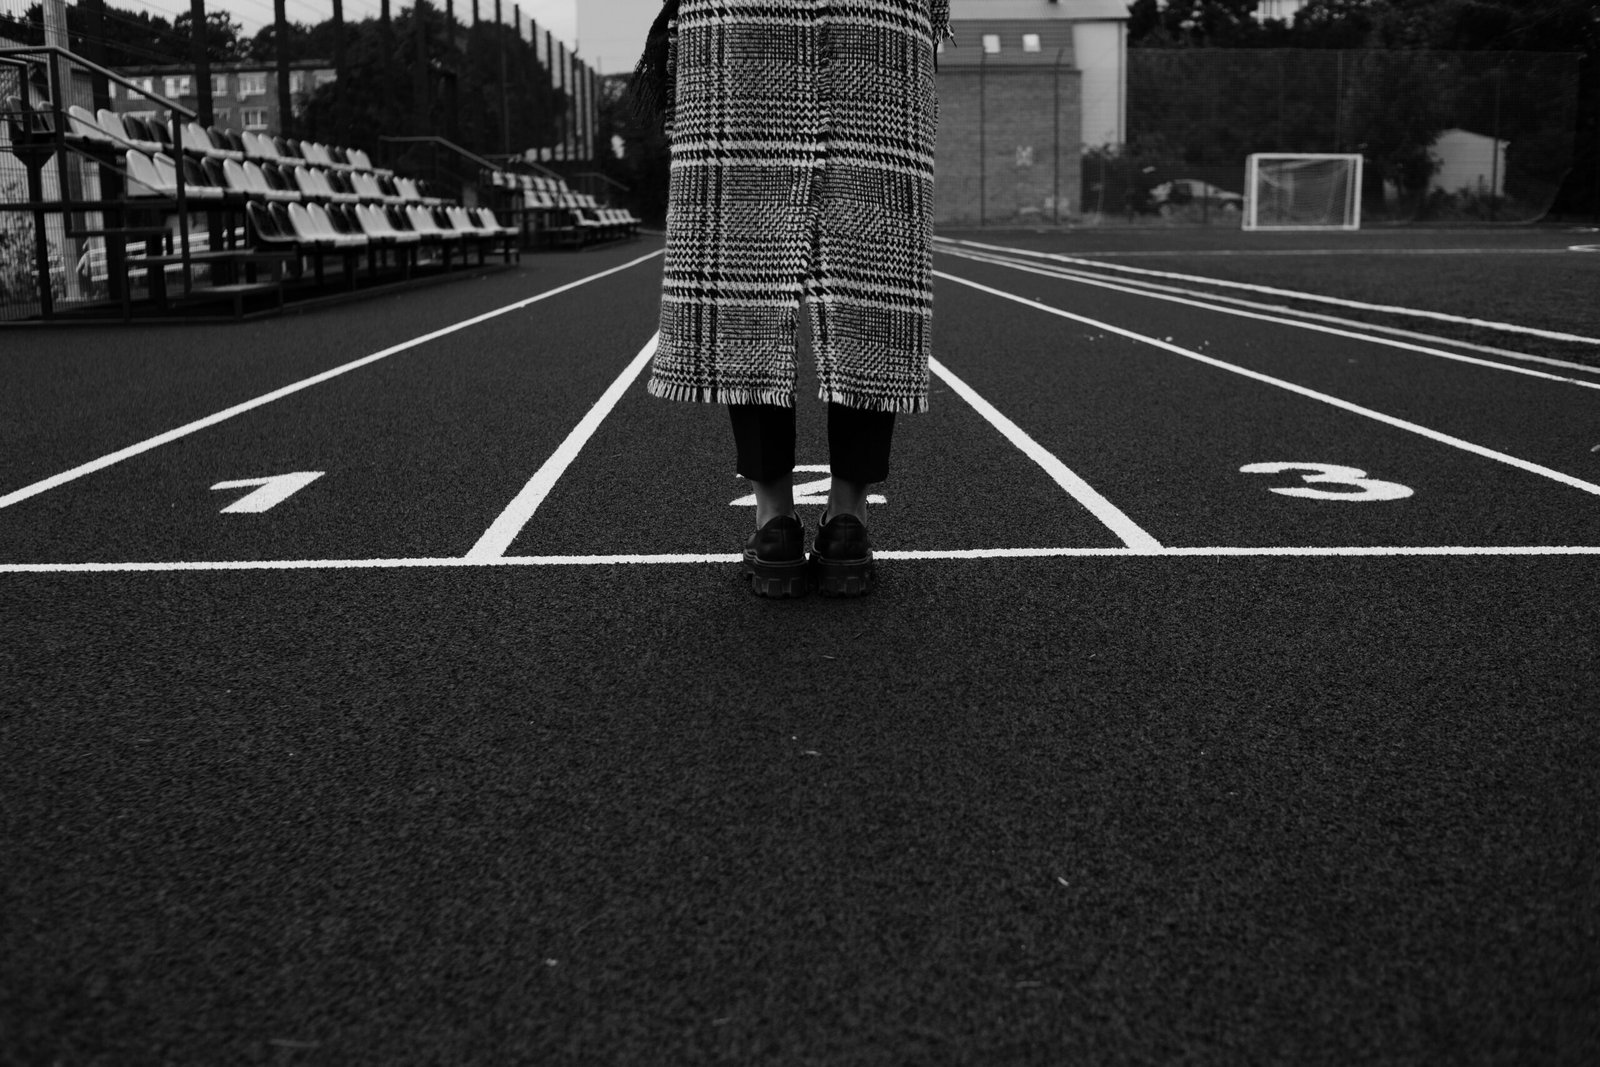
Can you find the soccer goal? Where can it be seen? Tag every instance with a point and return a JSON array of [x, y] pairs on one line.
[[1289, 191]]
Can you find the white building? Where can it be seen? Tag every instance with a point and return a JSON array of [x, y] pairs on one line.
[[1470, 163], [1096, 30]]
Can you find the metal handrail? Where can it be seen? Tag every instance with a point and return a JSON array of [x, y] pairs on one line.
[[43, 49], [605, 178], [457, 149], [59, 108]]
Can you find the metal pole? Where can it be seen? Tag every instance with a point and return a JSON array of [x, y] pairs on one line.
[[202, 60], [1596, 204], [419, 73], [505, 103], [386, 47], [549, 83], [1494, 160], [1057, 133], [280, 32], [566, 101], [340, 125], [983, 143]]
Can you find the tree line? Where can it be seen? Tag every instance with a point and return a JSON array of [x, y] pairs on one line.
[[482, 86], [1423, 64]]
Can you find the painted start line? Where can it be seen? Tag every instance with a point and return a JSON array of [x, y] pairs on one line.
[[1307, 480]]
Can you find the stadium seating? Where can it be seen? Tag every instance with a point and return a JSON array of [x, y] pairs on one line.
[[315, 213]]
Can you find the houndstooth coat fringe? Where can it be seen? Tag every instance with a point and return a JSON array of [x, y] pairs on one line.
[[802, 137]]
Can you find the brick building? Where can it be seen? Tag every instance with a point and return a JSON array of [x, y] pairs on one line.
[[244, 96], [1029, 85]]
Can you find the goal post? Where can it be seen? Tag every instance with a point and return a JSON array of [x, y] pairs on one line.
[[1302, 191]]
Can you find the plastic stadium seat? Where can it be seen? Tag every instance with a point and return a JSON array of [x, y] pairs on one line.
[[198, 184], [112, 123], [488, 221], [236, 181], [258, 147], [84, 127], [280, 180], [256, 178], [142, 170], [375, 221], [307, 231], [340, 191], [269, 230], [323, 221], [332, 217]]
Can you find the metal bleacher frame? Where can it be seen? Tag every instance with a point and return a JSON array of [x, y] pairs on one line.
[[553, 215], [149, 193], [543, 207]]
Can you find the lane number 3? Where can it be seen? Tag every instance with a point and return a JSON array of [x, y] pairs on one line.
[[1331, 474]]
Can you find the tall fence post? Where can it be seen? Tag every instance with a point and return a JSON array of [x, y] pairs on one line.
[[341, 125], [202, 60], [505, 97], [280, 31], [1056, 131], [983, 142], [419, 74]]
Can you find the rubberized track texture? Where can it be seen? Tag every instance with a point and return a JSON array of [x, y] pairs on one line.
[[379, 686]]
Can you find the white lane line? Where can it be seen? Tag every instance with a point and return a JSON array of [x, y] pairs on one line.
[[1345, 405], [19, 495], [505, 528], [1294, 294], [1209, 302], [1246, 253], [1125, 528], [445, 562]]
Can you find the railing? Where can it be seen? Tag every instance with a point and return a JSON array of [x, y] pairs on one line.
[[45, 128], [595, 183], [440, 172]]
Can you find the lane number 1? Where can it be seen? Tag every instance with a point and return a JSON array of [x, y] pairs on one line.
[[273, 491], [1331, 474]]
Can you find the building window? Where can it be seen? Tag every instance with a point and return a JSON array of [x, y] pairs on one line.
[[297, 81], [219, 85], [325, 77], [176, 85], [252, 85], [254, 118], [1030, 42], [147, 84], [221, 116], [991, 43]]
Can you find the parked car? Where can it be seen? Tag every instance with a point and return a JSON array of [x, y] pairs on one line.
[[1179, 192]]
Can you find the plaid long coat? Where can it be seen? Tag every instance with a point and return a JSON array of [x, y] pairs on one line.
[[802, 137]]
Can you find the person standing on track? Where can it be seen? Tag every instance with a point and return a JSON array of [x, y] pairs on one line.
[[802, 137]]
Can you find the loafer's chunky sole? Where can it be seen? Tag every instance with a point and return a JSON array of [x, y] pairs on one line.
[[781, 581], [843, 577]]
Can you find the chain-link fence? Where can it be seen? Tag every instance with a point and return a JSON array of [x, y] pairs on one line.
[[1447, 136]]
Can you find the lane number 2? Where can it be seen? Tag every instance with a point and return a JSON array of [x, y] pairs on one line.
[[271, 492], [814, 492], [1331, 474]]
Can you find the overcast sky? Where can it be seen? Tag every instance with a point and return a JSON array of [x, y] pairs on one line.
[[608, 34]]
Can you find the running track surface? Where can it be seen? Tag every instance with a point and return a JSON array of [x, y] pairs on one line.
[[1230, 696]]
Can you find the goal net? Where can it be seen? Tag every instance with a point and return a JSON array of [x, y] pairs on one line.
[[1285, 191]]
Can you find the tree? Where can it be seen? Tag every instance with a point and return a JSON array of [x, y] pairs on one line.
[[1193, 23], [224, 37]]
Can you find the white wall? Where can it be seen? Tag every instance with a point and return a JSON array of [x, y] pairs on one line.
[[1467, 161], [1101, 52]]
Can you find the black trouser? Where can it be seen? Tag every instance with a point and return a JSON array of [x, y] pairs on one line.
[[858, 442]]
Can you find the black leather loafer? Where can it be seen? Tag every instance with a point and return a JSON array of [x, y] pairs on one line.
[[841, 558], [775, 559]]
